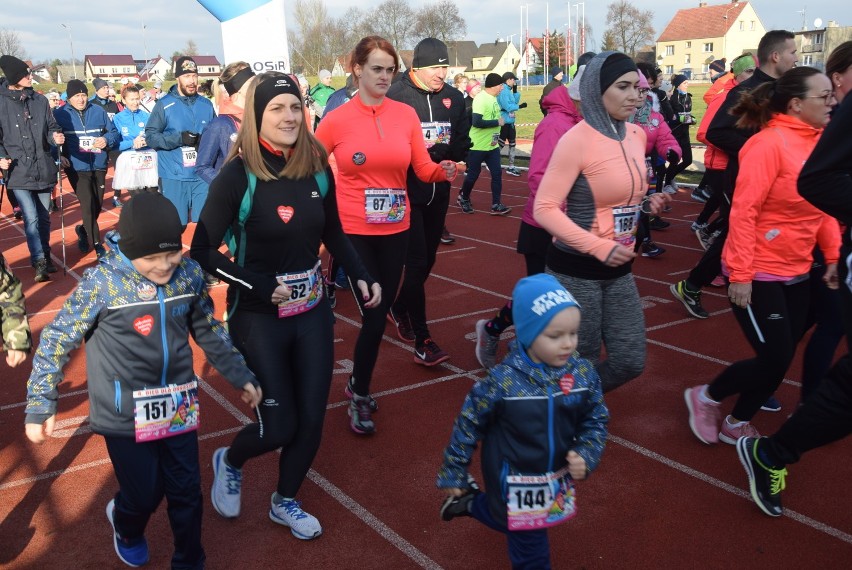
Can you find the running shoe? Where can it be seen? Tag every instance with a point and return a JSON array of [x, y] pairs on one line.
[[700, 195], [706, 238], [446, 237], [703, 415], [690, 299], [116, 203], [100, 250], [227, 486], [499, 209], [17, 212], [132, 552], [718, 281], [697, 226], [512, 171], [288, 512], [486, 345], [402, 323], [350, 393], [464, 204], [82, 238], [360, 415], [429, 353], [657, 223], [331, 293], [771, 405], [41, 273], [670, 188], [453, 507], [650, 249], [731, 433], [51, 268], [764, 482]]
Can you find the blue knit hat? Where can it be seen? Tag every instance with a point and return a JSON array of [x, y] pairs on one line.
[[535, 301]]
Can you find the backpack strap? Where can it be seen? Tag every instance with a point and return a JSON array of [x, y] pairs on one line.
[[237, 245], [322, 181]]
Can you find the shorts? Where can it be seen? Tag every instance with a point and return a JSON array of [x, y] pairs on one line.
[[507, 133]]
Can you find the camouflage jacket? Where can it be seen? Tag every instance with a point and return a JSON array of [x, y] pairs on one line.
[[13, 313]]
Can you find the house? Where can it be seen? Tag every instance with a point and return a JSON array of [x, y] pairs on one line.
[[461, 57], [110, 68], [65, 73], [155, 70], [208, 66], [342, 66], [532, 60], [695, 37], [814, 46], [41, 74], [496, 57]]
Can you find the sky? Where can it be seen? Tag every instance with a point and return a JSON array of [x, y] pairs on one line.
[[169, 24]]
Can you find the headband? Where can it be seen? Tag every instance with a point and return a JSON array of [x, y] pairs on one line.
[[269, 88], [237, 81]]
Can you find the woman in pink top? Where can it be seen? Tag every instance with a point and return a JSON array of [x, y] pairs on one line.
[[589, 200], [768, 254]]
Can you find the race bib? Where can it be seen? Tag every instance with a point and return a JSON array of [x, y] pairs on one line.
[[306, 291], [142, 160], [626, 223], [189, 155], [539, 501], [87, 144], [165, 411], [384, 205], [435, 133]]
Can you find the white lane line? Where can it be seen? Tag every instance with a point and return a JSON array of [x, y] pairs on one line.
[[22, 404], [482, 241], [798, 517], [469, 286], [455, 250]]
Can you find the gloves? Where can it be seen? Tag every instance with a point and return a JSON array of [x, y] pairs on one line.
[[672, 156], [188, 138], [522, 106], [515, 88], [439, 152]]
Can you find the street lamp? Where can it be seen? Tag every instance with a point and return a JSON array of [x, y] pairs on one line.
[[728, 26], [70, 41]]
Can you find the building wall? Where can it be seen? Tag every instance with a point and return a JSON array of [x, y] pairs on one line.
[[814, 46]]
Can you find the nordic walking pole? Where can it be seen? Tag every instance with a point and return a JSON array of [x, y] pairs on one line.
[[61, 209]]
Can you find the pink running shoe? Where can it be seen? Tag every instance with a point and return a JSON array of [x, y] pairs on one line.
[[719, 281], [703, 416], [730, 434]]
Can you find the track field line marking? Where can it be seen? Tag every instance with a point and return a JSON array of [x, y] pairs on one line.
[[455, 249], [469, 286], [798, 517], [486, 242], [24, 403]]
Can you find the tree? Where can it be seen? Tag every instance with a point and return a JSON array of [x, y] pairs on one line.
[[190, 49], [10, 44], [630, 27], [609, 43], [396, 22], [441, 20]]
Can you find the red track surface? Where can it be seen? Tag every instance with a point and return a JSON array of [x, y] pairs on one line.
[[659, 499]]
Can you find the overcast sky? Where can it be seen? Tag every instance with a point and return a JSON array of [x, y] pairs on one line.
[[116, 28]]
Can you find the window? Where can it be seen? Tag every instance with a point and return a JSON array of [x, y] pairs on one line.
[[687, 58], [688, 44], [742, 25], [705, 68], [708, 47], [808, 60], [751, 25], [818, 38], [669, 69], [669, 50]]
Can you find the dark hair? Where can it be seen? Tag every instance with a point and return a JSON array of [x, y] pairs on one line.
[[757, 106], [771, 42], [649, 70], [370, 44], [839, 60]]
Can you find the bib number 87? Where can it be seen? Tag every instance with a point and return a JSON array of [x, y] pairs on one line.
[[155, 410], [530, 499], [378, 204]]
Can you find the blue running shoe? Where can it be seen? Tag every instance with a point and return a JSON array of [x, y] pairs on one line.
[[133, 553]]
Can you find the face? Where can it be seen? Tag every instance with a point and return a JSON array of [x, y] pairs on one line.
[[462, 85], [683, 87], [433, 77], [375, 76], [188, 84], [475, 90], [158, 267], [131, 100], [744, 75], [842, 83], [620, 98], [78, 101], [787, 57], [510, 82], [815, 108], [494, 91], [103, 92], [643, 96], [326, 81], [281, 120], [26, 81], [558, 341]]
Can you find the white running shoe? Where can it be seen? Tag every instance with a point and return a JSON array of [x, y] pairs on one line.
[[289, 513], [227, 486]]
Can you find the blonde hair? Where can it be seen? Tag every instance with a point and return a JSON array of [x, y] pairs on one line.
[[308, 155]]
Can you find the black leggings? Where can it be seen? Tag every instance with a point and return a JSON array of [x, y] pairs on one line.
[[384, 257], [681, 134], [89, 187], [773, 325], [293, 360]]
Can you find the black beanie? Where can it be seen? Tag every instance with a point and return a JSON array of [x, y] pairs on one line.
[[75, 86], [678, 79], [185, 64], [430, 52], [493, 80], [13, 68], [614, 67], [149, 223]]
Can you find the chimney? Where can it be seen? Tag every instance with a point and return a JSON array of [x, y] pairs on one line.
[[702, 4]]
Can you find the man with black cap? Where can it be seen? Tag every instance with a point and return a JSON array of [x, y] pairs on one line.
[[509, 100], [446, 130], [27, 132], [174, 130], [557, 75]]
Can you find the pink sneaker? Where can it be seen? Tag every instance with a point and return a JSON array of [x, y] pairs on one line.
[[730, 434], [703, 416], [719, 281]]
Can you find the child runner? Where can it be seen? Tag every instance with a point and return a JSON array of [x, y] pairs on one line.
[[147, 298], [542, 420]]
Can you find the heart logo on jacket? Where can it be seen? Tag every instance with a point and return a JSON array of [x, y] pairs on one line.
[[143, 325], [566, 383], [285, 213], [447, 102]]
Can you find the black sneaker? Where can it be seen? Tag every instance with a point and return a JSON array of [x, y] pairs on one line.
[[460, 506], [41, 274], [464, 204], [700, 195], [446, 237], [51, 268], [52, 206], [771, 405], [499, 209], [765, 483], [17, 212], [100, 250], [210, 279], [650, 249], [331, 293], [658, 223], [429, 353], [690, 299], [82, 239], [512, 171], [404, 330]]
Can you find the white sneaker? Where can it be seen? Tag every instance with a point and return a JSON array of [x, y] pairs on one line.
[[289, 513], [486, 345], [669, 189], [227, 486]]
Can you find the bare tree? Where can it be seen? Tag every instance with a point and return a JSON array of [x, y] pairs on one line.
[[190, 49], [10, 44], [441, 20], [630, 27], [396, 23]]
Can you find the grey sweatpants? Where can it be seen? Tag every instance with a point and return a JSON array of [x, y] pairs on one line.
[[611, 314]]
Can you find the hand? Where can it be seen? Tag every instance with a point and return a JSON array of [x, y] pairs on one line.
[[449, 168], [654, 204], [188, 138], [372, 296], [454, 491], [251, 394], [37, 433], [100, 142], [59, 138], [64, 162], [5, 163], [439, 152], [281, 294], [619, 256], [672, 156], [522, 106], [740, 294], [15, 357], [830, 277], [501, 121], [576, 465], [139, 141]]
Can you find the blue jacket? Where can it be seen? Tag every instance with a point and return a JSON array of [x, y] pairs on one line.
[[130, 124], [526, 423], [215, 146], [93, 122], [172, 115], [119, 312], [508, 102]]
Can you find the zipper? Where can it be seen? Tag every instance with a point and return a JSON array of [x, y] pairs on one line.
[[117, 397], [378, 122], [161, 299], [550, 443], [431, 119]]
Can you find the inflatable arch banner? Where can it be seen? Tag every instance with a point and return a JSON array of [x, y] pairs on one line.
[[253, 31]]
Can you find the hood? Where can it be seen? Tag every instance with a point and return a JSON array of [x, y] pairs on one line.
[[594, 112], [15, 94], [558, 101]]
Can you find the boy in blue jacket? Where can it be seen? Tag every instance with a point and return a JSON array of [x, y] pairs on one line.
[[147, 299], [542, 421]]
